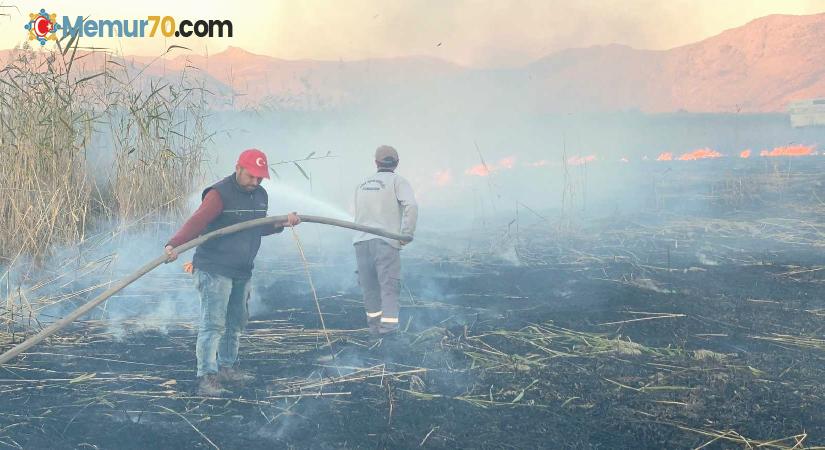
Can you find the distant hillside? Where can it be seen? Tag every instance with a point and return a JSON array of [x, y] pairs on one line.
[[758, 67]]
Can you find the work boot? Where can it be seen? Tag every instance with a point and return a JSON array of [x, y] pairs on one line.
[[389, 332], [209, 386], [374, 324], [232, 375], [386, 340]]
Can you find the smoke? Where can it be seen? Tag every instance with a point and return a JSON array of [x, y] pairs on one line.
[[482, 173], [533, 177], [156, 301], [473, 163]]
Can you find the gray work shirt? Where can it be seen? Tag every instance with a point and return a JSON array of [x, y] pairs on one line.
[[385, 200]]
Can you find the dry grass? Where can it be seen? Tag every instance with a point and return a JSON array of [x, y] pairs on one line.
[[737, 192], [91, 152], [54, 187], [159, 138], [46, 190]]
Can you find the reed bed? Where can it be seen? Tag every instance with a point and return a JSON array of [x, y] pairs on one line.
[[88, 144], [94, 151]]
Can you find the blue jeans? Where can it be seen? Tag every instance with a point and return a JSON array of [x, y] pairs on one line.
[[224, 314]]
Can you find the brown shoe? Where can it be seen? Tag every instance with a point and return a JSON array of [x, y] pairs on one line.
[[232, 375], [209, 386]]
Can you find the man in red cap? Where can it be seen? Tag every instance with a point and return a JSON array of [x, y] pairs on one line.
[[222, 267]]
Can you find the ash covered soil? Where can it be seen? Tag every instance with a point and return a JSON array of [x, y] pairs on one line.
[[674, 328]]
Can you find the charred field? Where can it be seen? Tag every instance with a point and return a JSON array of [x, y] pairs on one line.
[[698, 322]]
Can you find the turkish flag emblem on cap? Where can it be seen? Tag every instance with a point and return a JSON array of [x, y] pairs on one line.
[[254, 161]]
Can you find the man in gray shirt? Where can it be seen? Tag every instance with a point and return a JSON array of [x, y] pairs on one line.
[[384, 200]]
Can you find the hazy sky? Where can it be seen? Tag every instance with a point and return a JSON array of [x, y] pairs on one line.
[[489, 33]]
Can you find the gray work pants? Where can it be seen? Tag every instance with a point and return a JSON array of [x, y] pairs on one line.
[[379, 274]]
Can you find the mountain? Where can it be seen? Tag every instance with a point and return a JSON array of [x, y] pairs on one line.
[[758, 67]]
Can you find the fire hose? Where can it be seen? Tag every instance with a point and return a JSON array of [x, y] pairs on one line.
[[148, 267]]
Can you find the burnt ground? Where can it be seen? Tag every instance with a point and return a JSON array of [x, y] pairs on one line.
[[670, 329]]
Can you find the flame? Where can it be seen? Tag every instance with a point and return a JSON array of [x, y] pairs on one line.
[[443, 177], [507, 163], [702, 153], [745, 153], [792, 150], [624, 160], [479, 170], [666, 156], [578, 160]]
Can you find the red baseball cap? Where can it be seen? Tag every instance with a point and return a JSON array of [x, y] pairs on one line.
[[254, 161]]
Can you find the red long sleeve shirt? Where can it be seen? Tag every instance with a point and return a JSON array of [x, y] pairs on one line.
[[210, 209]]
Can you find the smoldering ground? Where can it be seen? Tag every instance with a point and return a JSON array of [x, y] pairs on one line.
[[522, 298]]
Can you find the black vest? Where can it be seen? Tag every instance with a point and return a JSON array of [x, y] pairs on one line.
[[233, 255]]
